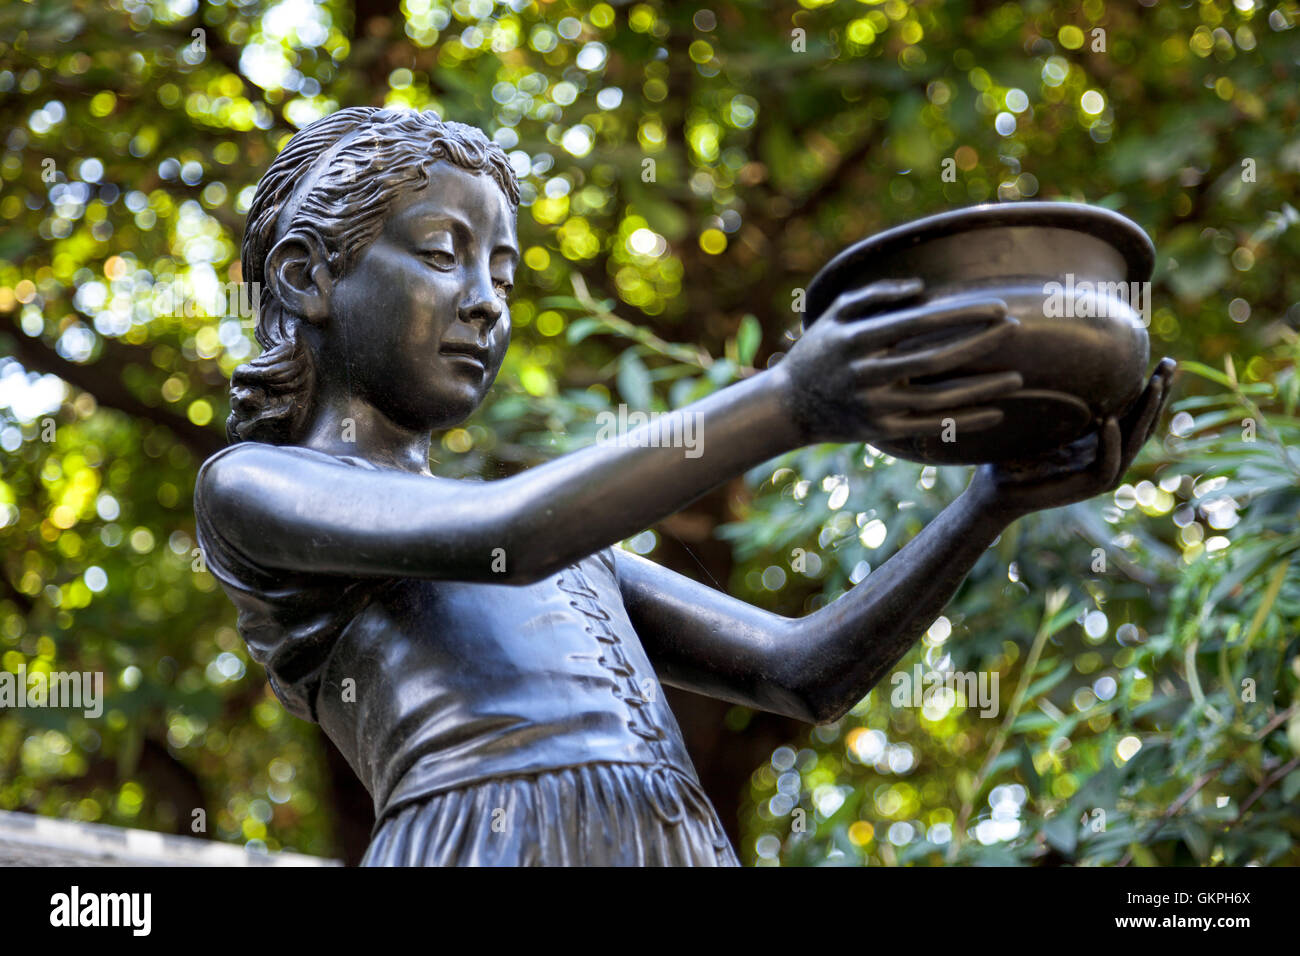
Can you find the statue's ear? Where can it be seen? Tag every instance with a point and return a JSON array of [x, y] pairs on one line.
[[299, 276]]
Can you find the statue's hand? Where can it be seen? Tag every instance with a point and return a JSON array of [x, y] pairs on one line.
[[848, 378], [1083, 469]]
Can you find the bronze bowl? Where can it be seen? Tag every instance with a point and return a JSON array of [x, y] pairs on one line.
[[1076, 279]]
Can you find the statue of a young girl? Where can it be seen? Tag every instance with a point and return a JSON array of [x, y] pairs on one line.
[[484, 658]]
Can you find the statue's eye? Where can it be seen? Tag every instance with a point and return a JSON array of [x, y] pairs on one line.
[[504, 287], [440, 258]]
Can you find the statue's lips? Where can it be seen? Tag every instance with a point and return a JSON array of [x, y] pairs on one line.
[[468, 358]]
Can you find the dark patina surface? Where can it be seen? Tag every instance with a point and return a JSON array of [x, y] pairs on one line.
[[486, 660]]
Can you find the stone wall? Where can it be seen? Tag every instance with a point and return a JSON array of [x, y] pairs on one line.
[[28, 840]]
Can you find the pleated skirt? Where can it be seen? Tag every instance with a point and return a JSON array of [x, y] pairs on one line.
[[593, 815]]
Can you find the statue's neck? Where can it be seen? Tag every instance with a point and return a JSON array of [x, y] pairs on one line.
[[350, 427]]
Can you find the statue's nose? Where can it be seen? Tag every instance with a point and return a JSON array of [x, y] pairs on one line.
[[481, 305]]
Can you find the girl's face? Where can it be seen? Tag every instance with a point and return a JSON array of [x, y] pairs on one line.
[[421, 317]]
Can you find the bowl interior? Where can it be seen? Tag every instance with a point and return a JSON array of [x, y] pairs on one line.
[[995, 241]]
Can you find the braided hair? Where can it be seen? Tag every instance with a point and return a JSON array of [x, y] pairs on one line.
[[386, 151]]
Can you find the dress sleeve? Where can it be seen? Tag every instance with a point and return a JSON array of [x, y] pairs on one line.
[[290, 621]]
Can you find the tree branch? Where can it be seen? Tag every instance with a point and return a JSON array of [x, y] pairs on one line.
[[833, 182], [108, 390]]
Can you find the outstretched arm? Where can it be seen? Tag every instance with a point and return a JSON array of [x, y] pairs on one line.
[[817, 667], [298, 509]]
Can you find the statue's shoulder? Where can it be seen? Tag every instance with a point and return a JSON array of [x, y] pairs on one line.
[[238, 470]]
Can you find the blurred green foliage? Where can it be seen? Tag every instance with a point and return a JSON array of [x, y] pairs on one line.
[[686, 170]]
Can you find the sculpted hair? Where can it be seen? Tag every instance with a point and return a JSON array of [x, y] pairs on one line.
[[271, 397]]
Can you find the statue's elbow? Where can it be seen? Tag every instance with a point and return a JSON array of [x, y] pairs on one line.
[[822, 708], [524, 558], [824, 696], [815, 701], [520, 568], [826, 686]]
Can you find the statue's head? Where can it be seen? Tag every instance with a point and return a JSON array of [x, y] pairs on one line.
[[384, 244]]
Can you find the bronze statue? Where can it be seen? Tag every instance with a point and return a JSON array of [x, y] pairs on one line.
[[479, 651]]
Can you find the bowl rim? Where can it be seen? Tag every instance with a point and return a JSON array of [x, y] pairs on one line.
[[1118, 230]]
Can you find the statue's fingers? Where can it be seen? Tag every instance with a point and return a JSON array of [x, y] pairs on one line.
[[890, 330], [1141, 421], [905, 425], [1165, 370], [873, 298], [937, 358], [953, 394], [1138, 422], [1110, 453]]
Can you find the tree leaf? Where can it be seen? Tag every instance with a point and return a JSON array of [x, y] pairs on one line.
[[634, 381], [1062, 832], [748, 337], [579, 329]]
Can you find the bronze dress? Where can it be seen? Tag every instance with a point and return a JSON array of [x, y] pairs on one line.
[[492, 724]]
